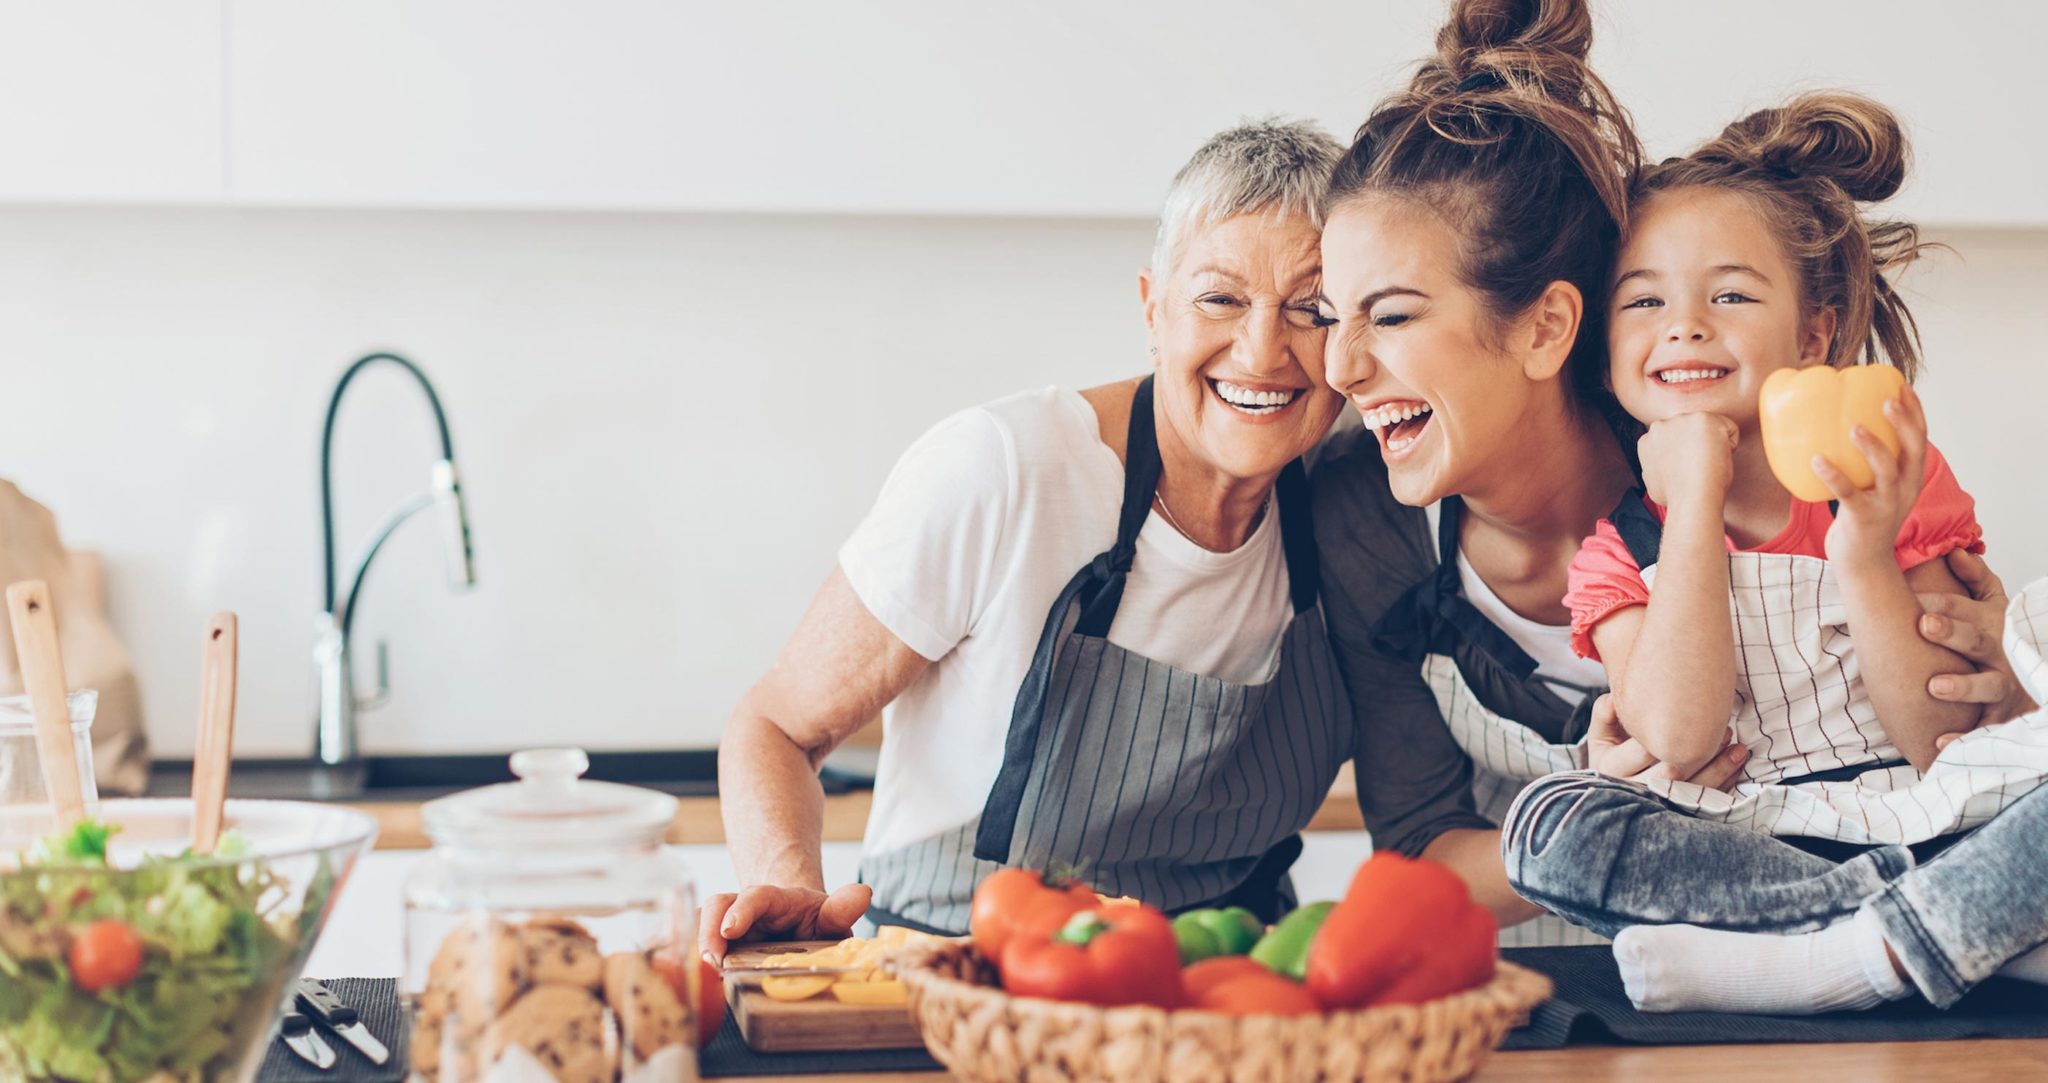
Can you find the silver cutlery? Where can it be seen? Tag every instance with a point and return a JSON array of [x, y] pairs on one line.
[[320, 1002]]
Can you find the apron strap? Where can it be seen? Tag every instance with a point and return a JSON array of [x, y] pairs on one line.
[[1298, 537], [1638, 526], [1434, 616], [1141, 482], [1098, 588]]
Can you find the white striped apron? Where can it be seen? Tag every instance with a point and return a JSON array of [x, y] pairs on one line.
[[1141, 779], [1506, 755], [1820, 763]]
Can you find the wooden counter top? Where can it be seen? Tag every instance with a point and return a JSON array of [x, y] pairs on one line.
[[846, 816], [1985, 1059]]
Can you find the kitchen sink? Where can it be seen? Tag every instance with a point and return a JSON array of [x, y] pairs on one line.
[[683, 772]]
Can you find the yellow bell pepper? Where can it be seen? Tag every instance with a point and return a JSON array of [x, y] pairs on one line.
[[1811, 411]]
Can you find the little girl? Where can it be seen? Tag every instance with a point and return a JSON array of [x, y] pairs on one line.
[[1747, 257], [1718, 602]]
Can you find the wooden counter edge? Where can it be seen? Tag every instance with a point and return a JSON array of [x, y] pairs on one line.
[[846, 815]]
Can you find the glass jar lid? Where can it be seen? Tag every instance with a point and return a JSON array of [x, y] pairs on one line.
[[550, 807]]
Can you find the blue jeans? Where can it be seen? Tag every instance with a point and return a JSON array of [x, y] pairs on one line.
[[1606, 853]]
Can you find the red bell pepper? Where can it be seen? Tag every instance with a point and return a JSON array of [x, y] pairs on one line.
[[1112, 955], [1010, 901], [1406, 931]]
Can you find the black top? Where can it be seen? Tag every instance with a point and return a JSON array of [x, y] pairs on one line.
[[1414, 782]]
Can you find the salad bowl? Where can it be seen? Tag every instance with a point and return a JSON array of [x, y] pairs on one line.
[[126, 958]]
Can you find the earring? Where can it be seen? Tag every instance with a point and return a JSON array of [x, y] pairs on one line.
[[1155, 351]]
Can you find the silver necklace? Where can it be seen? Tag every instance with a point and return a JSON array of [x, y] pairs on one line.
[[1159, 498]]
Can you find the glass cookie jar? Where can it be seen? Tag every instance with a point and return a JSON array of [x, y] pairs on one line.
[[546, 936]]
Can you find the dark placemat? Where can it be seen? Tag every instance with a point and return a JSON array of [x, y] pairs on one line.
[[728, 1055], [1591, 1008], [376, 1000]]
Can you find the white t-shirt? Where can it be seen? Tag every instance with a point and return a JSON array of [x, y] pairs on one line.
[[1558, 666], [979, 527]]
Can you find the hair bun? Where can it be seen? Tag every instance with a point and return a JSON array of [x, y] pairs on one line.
[[1479, 26], [1846, 138]]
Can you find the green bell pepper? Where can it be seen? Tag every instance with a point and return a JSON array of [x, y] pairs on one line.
[[1284, 951], [1206, 934]]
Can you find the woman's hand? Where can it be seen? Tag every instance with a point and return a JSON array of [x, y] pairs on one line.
[[1611, 751], [1688, 458], [1974, 627], [767, 912], [1868, 521]]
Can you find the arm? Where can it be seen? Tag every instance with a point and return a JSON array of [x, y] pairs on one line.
[[837, 671], [1672, 662], [1414, 782], [1474, 854], [1896, 662]]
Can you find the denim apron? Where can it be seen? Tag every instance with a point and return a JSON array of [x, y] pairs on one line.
[[1820, 764], [1142, 779], [1432, 620]]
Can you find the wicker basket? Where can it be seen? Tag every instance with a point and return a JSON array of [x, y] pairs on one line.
[[981, 1033]]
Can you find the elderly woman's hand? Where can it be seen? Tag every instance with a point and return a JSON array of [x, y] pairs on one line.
[[1611, 751], [1974, 627], [767, 912]]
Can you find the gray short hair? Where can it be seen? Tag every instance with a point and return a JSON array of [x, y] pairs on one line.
[[1274, 165]]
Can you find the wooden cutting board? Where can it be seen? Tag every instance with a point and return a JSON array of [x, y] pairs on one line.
[[815, 1025]]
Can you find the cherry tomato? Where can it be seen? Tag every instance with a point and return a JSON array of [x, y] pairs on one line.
[[105, 955]]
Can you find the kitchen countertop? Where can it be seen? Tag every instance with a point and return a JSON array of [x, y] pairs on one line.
[[362, 939], [846, 815], [1900, 1061]]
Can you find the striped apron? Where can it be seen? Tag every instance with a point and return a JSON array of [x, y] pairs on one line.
[[1821, 766], [1142, 779], [1433, 619]]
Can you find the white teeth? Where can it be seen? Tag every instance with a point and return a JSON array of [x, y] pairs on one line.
[[1394, 413], [1253, 402], [1681, 376]]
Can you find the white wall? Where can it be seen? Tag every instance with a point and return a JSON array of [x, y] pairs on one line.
[[666, 423]]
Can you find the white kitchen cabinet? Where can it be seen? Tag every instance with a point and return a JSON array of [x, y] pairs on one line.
[[1059, 107], [111, 101], [1062, 107]]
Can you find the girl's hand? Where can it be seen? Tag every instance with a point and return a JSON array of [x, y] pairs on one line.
[[1612, 752], [1868, 521], [1689, 458]]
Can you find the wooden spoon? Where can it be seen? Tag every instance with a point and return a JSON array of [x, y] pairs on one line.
[[214, 746], [42, 675]]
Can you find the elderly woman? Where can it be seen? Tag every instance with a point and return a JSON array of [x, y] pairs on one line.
[[1089, 619]]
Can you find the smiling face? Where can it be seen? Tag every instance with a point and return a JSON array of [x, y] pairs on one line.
[[1416, 350], [1705, 306], [1238, 374]]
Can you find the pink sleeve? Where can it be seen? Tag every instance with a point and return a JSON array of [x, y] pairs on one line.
[[1942, 520], [1603, 578]]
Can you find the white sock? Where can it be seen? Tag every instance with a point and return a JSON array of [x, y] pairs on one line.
[[2033, 966], [1684, 968]]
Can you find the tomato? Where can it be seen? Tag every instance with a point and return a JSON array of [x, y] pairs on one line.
[[105, 955], [1011, 901], [1114, 955], [705, 996]]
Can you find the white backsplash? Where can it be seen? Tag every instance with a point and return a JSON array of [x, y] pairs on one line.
[[666, 424]]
